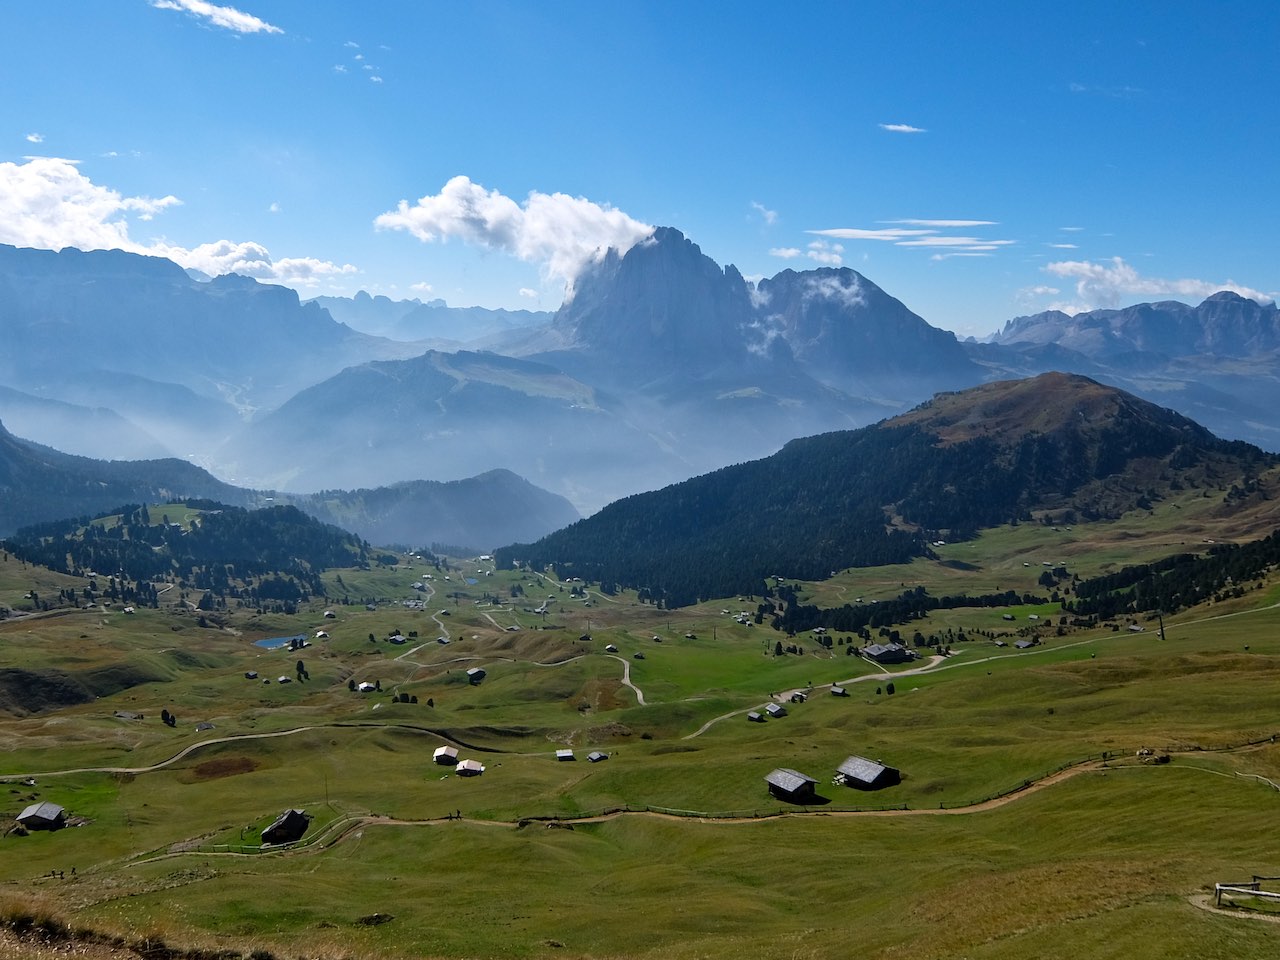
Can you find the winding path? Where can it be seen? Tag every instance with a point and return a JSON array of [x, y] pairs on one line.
[[626, 678]]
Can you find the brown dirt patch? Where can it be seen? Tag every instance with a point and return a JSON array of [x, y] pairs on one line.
[[223, 767]]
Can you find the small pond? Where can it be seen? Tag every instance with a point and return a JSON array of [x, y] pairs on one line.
[[274, 643]]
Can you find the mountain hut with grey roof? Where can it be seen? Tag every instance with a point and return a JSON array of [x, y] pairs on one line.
[[863, 774], [791, 785]]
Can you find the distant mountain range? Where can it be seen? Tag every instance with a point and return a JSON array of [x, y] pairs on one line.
[[40, 484], [661, 365], [1056, 447]]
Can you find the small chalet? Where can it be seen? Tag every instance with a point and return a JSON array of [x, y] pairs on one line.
[[776, 710], [755, 717], [446, 756], [611, 648], [564, 754], [886, 653], [863, 774], [595, 756], [330, 615], [43, 816], [287, 827], [364, 686], [203, 726], [469, 768], [837, 691], [790, 785], [1023, 644], [475, 675]]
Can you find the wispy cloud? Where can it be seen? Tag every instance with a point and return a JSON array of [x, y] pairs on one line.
[[1106, 283], [421, 287], [1120, 92], [1071, 229], [47, 202], [856, 233], [968, 243], [769, 216], [1063, 246], [339, 68], [229, 18], [528, 292], [375, 79], [352, 44], [274, 208], [35, 138], [559, 232], [786, 253], [902, 128], [922, 233], [822, 251], [945, 224]]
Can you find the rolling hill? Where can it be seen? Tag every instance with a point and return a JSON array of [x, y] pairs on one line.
[[1055, 448]]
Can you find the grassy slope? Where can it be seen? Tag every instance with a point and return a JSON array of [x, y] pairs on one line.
[[1082, 868]]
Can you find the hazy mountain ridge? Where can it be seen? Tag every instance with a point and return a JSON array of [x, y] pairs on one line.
[[662, 364], [414, 320], [1059, 446], [39, 484]]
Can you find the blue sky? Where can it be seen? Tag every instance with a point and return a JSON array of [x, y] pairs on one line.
[[977, 161]]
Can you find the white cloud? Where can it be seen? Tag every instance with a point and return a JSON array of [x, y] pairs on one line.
[[1039, 290], [842, 287], [375, 79], [339, 68], [561, 233], [945, 224], [253, 260], [228, 18], [1071, 229], [35, 138], [47, 202], [352, 44], [274, 208], [968, 243], [1063, 246], [528, 292], [902, 128], [856, 233], [1106, 283], [421, 287], [969, 252], [786, 253], [770, 216], [824, 252]]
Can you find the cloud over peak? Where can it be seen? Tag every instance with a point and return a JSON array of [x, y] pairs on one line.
[[47, 202], [1106, 283], [560, 233]]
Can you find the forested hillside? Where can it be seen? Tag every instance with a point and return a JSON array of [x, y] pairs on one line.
[[274, 554], [1058, 447]]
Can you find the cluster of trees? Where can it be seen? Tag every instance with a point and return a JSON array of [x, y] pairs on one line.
[[1176, 582], [274, 554], [910, 605]]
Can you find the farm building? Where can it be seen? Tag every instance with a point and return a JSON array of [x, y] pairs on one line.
[[203, 726], [445, 755], [475, 675], [837, 691], [863, 774], [776, 710], [755, 717], [469, 768], [595, 756], [611, 648], [886, 653], [1024, 644], [787, 784], [287, 827], [364, 686], [43, 816], [564, 754]]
